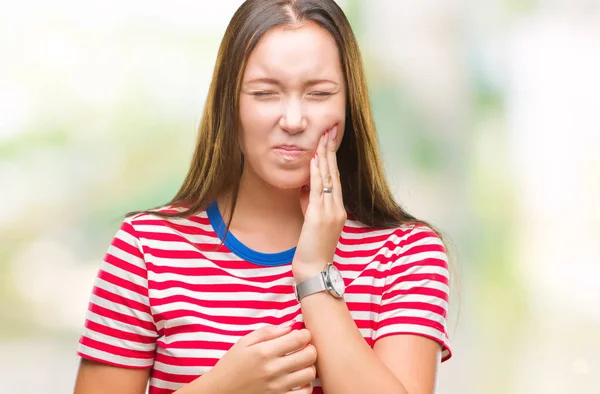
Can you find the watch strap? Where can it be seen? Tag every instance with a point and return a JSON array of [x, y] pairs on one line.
[[310, 286]]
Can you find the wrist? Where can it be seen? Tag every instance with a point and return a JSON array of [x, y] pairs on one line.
[[304, 271]]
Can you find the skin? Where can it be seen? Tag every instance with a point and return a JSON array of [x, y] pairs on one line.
[[293, 93]]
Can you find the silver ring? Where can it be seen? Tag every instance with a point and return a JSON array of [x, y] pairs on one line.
[[326, 190]]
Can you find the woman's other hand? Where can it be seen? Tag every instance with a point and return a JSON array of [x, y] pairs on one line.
[[270, 360]]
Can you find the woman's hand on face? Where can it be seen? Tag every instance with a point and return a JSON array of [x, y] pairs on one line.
[[324, 215]]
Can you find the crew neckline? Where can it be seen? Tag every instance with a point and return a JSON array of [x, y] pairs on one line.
[[241, 250]]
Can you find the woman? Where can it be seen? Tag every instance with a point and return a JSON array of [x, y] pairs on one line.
[[316, 280]]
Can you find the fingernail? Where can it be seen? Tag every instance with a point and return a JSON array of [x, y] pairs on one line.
[[334, 132], [288, 324], [326, 137], [316, 159]]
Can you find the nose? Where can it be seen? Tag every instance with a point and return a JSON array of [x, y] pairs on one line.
[[292, 116]]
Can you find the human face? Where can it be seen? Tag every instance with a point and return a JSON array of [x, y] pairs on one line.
[[293, 90]]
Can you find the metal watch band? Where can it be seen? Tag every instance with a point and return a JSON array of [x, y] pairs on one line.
[[310, 286]]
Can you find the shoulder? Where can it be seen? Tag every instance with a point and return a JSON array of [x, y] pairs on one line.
[[154, 217], [402, 247], [158, 233], [137, 229], [419, 238], [403, 237]]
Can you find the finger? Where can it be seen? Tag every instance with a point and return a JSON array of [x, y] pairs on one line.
[[324, 169], [316, 182], [289, 343], [299, 360], [266, 334], [301, 378], [306, 389], [324, 161], [333, 168]]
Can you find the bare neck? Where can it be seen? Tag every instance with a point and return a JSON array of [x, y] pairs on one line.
[[260, 207]]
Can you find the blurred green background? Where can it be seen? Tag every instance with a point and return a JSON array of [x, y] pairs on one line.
[[488, 117]]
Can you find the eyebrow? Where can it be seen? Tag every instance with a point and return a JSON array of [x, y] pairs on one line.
[[274, 81]]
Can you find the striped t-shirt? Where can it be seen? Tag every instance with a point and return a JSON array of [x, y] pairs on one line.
[[168, 297]]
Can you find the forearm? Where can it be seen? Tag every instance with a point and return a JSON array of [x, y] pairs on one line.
[[209, 383], [345, 362]]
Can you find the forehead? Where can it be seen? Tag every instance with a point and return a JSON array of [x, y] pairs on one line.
[[295, 53]]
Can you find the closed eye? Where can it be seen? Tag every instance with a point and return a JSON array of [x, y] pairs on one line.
[[263, 94]]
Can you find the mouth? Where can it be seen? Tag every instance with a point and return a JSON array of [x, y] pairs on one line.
[[290, 151]]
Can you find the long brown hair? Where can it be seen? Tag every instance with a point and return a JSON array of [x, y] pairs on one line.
[[216, 166]]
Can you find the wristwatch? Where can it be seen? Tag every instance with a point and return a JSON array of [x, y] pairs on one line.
[[330, 279]]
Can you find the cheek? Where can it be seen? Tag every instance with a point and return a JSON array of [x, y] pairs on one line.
[[333, 107], [258, 113], [327, 114], [255, 127]]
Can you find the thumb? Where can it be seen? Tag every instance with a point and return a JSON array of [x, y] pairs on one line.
[[267, 333]]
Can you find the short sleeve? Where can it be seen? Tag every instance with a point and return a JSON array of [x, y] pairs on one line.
[[416, 292], [119, 329]]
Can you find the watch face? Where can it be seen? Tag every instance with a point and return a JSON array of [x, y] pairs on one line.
[[336, 280]]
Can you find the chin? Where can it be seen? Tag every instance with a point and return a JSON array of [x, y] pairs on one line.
[[285, 180]]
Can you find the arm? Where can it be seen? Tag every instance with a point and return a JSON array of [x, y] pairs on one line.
[[268, 360], [98, 378], [410, 325], [346, 364], [417, 369], [118, 341]]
